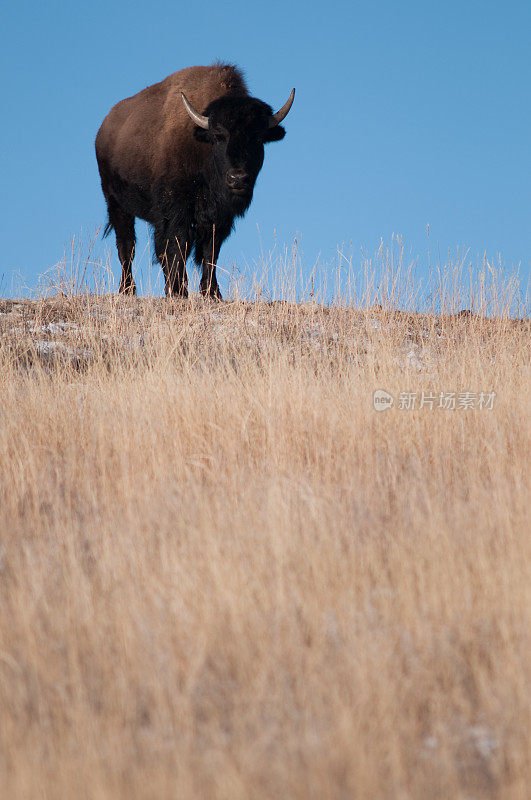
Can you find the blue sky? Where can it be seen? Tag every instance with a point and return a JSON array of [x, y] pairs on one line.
[[406, 114]]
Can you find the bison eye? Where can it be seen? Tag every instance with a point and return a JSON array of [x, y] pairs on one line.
[[219, 136]]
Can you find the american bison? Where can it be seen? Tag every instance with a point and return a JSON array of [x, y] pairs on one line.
[[184, 154]]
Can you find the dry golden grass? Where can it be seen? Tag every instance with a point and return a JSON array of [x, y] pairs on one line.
[[224, 575]]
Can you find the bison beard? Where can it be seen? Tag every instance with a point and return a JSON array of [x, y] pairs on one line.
[[188, 173]]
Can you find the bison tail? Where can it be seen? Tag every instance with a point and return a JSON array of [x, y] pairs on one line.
[[107, 229]]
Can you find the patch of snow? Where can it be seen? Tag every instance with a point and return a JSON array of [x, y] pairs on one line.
[[430, 742], [411, 356], [49, 350], [313, 333], [332, 628], [54, 328], [483, 740]]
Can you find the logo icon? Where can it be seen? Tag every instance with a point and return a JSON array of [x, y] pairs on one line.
[[382, 400]]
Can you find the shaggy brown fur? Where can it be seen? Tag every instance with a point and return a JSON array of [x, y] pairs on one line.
[[150, 135]]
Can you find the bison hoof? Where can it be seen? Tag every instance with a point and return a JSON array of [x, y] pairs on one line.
[[127, 288], [182, 294], [210, 291]]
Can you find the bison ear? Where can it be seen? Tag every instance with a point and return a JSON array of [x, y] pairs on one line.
[[275, 134], [202, 135]]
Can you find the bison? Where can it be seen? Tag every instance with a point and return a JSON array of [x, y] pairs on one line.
[[187, 172]]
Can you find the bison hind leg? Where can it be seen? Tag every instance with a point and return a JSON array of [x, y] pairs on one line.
[[124, 228]]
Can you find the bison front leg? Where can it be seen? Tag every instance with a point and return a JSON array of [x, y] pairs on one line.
[[172, 250], [206, 255]]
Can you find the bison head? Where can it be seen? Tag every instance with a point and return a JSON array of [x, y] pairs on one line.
[[237, 127]]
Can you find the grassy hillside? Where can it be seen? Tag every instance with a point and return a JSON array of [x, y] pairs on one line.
[[224, 574]]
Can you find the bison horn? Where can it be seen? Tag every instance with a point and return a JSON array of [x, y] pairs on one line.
[[277, 118], [199, 119]]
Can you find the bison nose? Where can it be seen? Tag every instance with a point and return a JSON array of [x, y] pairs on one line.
[[237, 178]]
